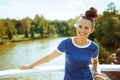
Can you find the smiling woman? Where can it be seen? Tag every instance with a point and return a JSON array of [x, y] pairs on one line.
[[79, 51]]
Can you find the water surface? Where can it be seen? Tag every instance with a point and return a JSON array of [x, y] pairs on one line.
[[13, 55]]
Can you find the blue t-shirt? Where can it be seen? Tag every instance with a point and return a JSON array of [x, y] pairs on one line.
[[78, 59]]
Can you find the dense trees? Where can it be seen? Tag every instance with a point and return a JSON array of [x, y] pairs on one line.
[[107, 30], [108, 27], [41, 26]]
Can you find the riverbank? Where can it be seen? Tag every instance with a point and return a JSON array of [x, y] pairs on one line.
[[20, 38]]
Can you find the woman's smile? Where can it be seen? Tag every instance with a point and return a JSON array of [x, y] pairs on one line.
[[82, 34]]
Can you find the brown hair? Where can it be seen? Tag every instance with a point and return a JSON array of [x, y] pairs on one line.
[[90, 14]]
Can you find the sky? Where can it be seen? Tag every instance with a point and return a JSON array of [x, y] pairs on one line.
[[51, 9]]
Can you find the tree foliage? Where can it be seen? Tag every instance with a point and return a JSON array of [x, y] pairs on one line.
[[108, 27], [26, 24], [104, 54]]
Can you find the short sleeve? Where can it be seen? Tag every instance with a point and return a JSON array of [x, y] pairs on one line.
[[61, 47], [96, 52]]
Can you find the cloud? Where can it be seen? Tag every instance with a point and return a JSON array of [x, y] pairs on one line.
[[74, 5], [12, 8], [66, 9], [50, 9]]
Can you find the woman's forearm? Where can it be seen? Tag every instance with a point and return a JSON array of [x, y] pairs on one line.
[[96, 70], [43, 60], [40, 61], [96, 66]]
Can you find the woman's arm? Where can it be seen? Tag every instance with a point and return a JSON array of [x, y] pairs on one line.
[[96, 69], [43, 60]]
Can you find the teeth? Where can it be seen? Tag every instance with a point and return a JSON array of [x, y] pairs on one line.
[[82, 34]]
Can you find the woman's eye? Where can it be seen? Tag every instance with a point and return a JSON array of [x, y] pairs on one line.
[[86, 28], [80, 26]]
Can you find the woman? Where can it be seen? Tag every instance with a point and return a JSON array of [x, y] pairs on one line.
[[79, 51]]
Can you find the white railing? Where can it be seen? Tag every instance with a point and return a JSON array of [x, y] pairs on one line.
[[57, 68]]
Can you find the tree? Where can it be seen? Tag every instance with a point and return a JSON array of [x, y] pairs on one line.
[[39, 22], [10, 28], [107, 27], [26, 24], [32, 31], [2, 29], [71, 28]]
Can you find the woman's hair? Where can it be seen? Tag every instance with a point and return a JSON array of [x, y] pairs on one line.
[[90, 14]]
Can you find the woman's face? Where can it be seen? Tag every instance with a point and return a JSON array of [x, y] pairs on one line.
[[85, 28]]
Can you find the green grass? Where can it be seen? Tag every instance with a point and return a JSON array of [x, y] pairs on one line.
[[19, 38]]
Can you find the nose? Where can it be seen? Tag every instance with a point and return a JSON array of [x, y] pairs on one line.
[[82, 29]]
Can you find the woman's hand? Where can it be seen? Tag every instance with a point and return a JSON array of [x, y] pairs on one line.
[[25, 67], [99, 78]]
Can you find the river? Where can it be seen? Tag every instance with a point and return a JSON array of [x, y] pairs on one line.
[[15, 54]]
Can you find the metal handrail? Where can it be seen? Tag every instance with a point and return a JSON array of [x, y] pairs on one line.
[[52, 68]]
